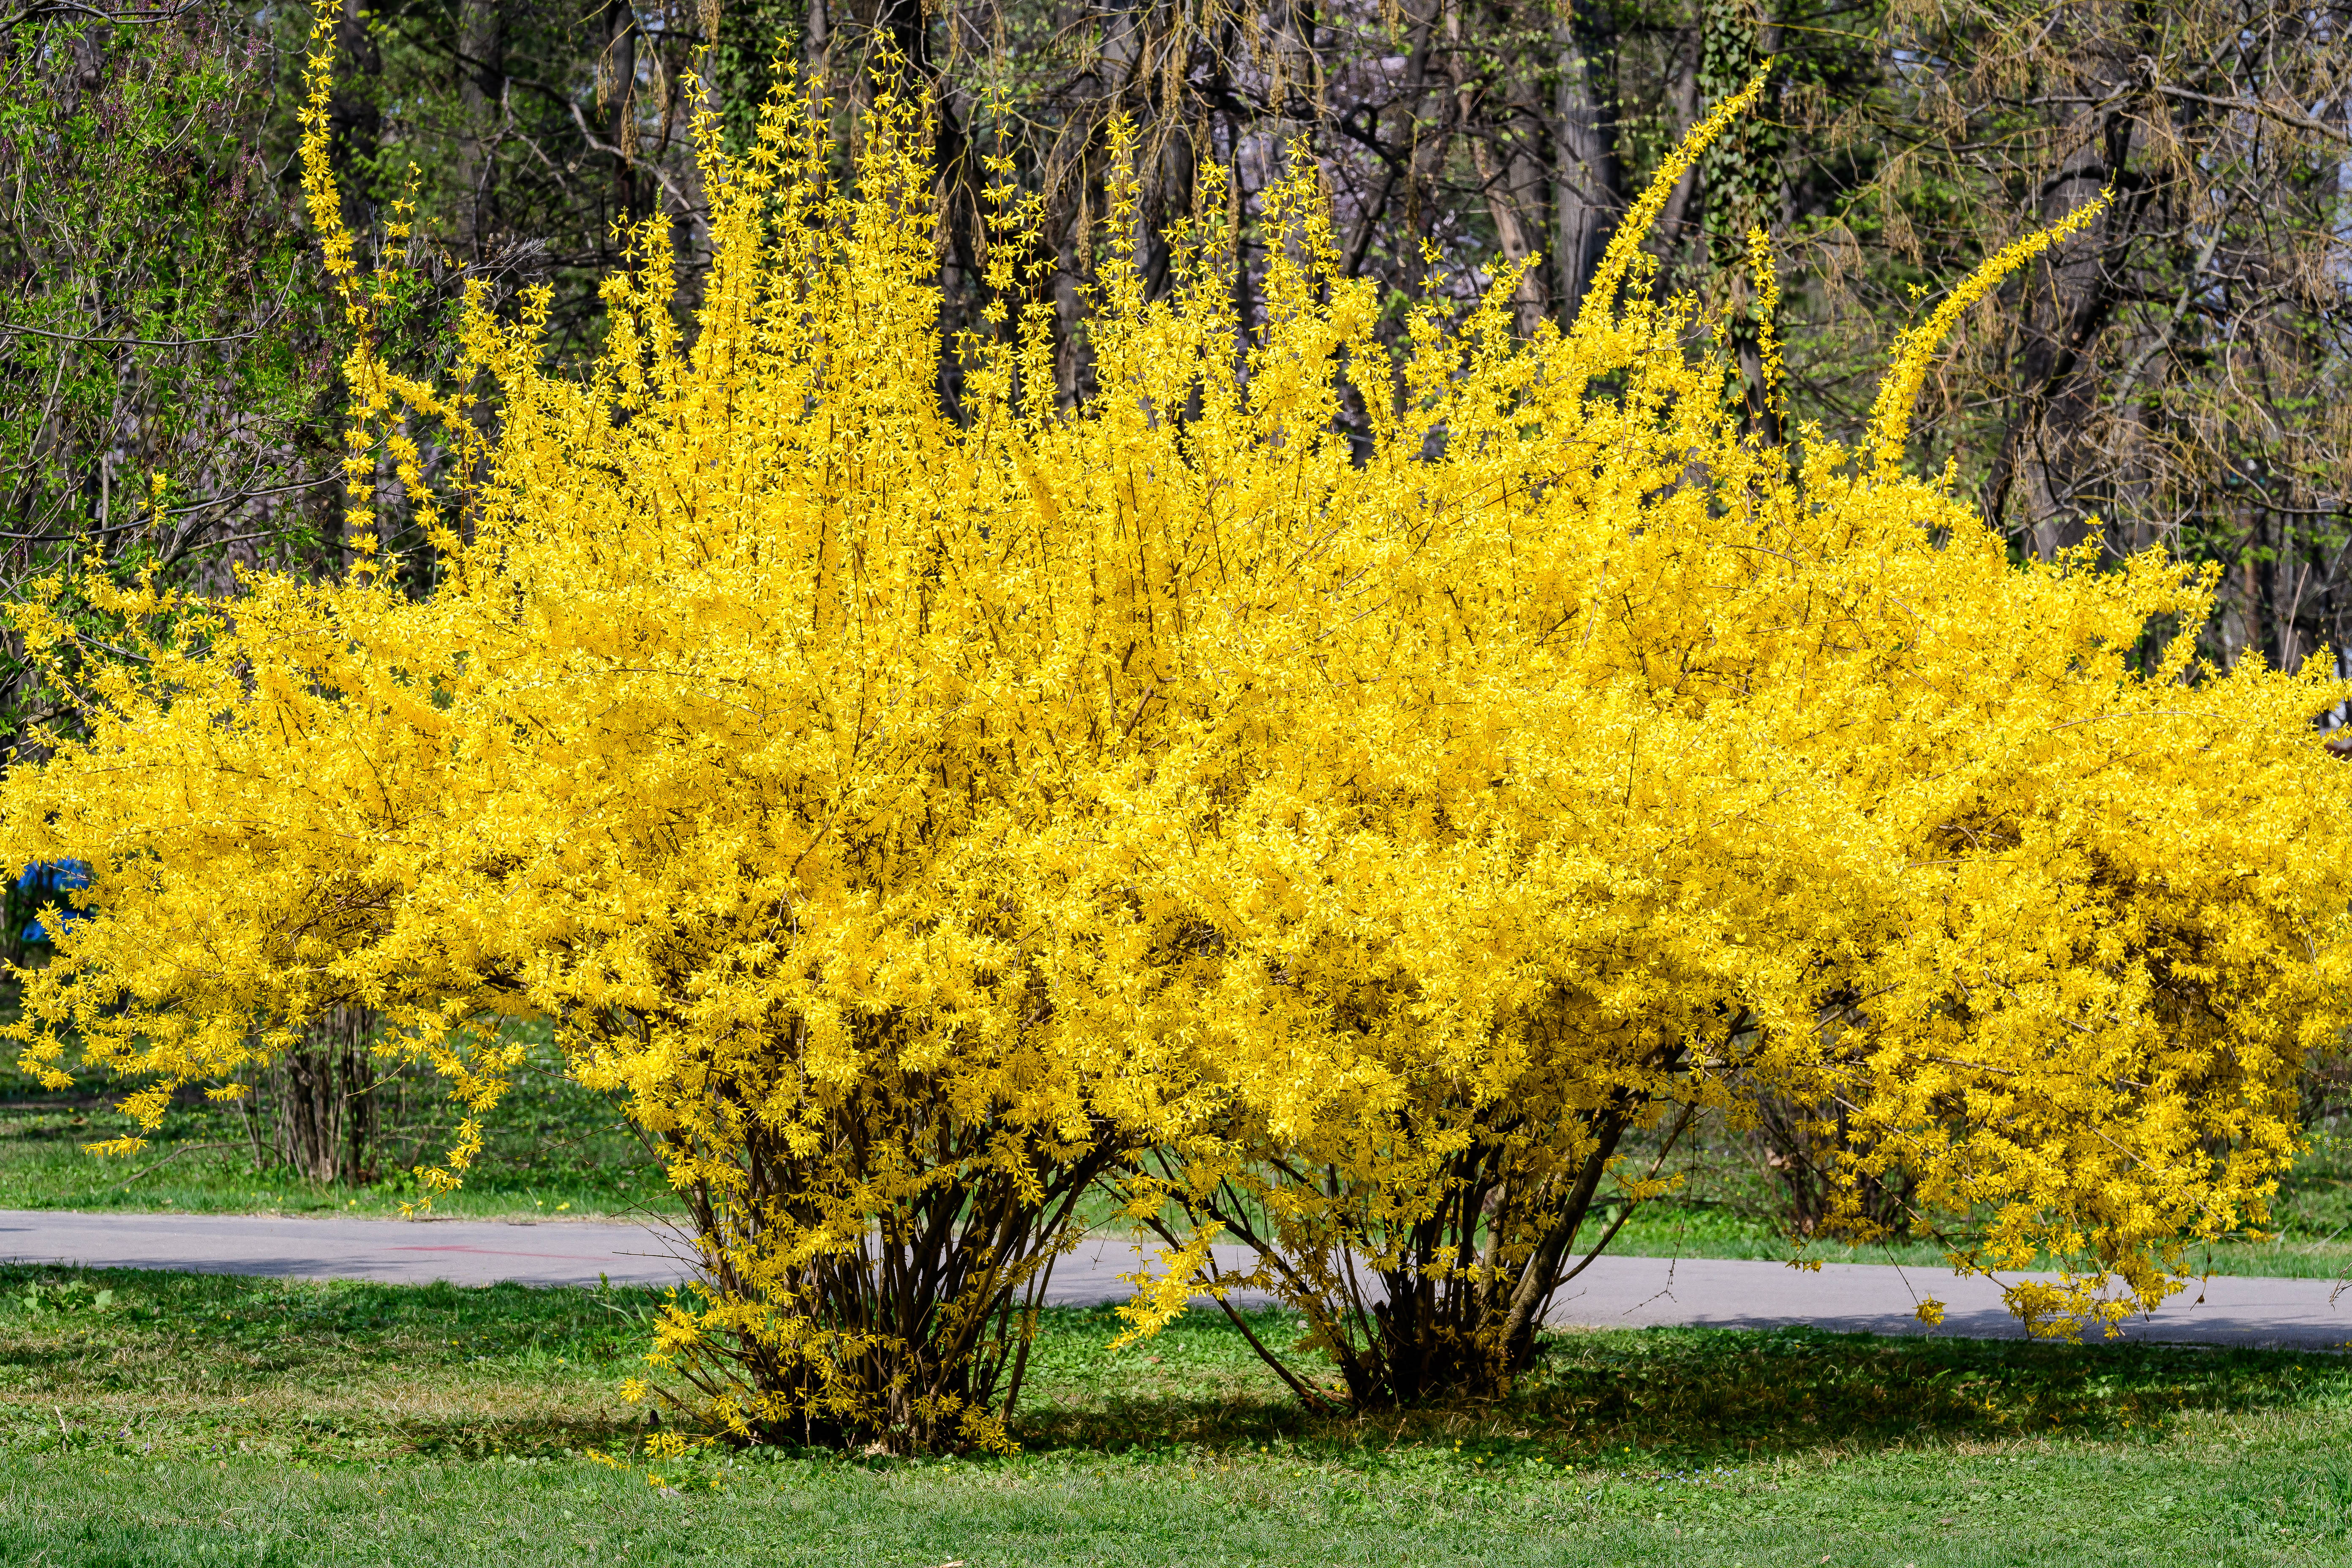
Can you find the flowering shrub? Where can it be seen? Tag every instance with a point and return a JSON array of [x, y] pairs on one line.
[[1627, 769], [917, 820]]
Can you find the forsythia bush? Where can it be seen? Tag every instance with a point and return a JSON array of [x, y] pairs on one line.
[[918, 820]]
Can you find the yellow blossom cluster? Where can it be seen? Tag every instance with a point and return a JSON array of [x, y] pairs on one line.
[[1339, 800]]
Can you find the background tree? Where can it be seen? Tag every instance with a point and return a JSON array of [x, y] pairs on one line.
[[2178, 378], [165, 394]]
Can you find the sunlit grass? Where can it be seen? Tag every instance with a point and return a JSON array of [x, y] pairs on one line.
[[552, 1150], [166, 1418]]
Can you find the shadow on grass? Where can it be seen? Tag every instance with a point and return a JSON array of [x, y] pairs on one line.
[[223, 1365], [1673, 1393]]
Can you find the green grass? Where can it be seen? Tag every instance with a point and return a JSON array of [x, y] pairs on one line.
[[159, 1418], [2296, 1251], [551, 1148], [1730, 1208]]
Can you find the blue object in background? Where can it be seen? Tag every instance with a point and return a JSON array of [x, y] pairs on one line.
[[48, 884]]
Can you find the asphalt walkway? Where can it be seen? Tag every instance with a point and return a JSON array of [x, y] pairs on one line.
[[1614, 1292]]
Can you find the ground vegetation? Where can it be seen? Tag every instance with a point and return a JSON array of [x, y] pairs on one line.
[[150, 1418]]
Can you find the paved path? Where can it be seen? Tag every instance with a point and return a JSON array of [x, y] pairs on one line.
[[1615, 1293], [463, 1252]]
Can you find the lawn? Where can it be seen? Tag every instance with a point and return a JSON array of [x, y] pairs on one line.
[[551, 1147], [160, 1418]]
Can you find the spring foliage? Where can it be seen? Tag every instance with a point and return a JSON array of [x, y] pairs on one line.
[[1307, 788]]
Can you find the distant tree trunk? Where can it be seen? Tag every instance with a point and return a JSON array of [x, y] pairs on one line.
[[616, 84], [1588, 192], [314, 1110], [354, 113], [1803, 1152], [1498, 120], [2061, 308], [1740, 182], [481, 96]]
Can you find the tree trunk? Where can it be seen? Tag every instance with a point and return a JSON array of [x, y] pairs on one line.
[[314, 1110], [1489, 116], [355, 118], [617, 80], [2067, 300], [1741, 190], [1589, 184], [481, 94]]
